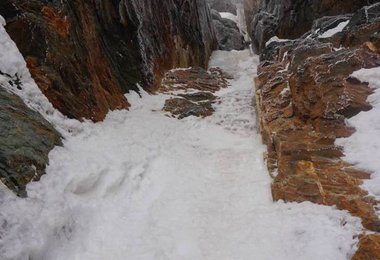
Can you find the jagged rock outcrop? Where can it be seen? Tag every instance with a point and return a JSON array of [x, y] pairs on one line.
[[84, 55], [192, 91], [223, 5], [227, 33], [289, 19], [304, 94], [26, 139]]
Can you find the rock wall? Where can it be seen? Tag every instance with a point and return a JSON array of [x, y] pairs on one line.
[[223, 5], [84, 55], [304, 94], [251, 7], [289, 19]]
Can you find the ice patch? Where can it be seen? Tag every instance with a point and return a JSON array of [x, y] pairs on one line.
[[335, 30], [230, 16]]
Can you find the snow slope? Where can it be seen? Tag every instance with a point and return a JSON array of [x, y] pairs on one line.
[[363, 147], [141, 185]]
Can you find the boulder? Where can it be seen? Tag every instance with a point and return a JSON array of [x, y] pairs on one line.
[[84, 55], [26, 139], [182, 107], [227, 33], [192, 91]]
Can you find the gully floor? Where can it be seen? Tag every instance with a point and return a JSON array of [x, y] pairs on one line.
[[141, 185]]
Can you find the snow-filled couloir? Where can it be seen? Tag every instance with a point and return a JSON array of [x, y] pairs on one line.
[[141, 185]]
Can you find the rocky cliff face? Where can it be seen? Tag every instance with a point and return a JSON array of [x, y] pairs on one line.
[[304, 94], [85, 55], [290, 19]]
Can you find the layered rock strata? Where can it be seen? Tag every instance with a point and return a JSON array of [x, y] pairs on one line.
[[192, 91], [304, 94]]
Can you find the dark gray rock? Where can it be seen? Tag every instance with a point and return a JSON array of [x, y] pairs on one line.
[[272, 51], [26, 139], [251, 7], [227, 33], [223, 5], [264, 27], [290, 19], [367, 14]]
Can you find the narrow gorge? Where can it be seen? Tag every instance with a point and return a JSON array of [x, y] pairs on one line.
[[189, 129]]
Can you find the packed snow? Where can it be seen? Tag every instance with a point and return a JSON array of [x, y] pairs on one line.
[[141, 185], [335, 30], [362, 148]]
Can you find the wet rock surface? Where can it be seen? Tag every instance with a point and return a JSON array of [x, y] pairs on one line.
[[290, 19], [192, 91], [26, 139], [304, 94], [227, 33], [84, 55]]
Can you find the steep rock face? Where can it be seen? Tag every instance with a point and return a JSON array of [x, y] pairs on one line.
[[290, 19], [251, 7], [26, 140], [85, 55], [304, 94]]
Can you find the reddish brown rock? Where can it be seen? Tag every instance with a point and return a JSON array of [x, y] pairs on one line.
[[321, 86], [304, 93], [194, 79], [192, 91], [85, 55], [182, 107], [369, 248]]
